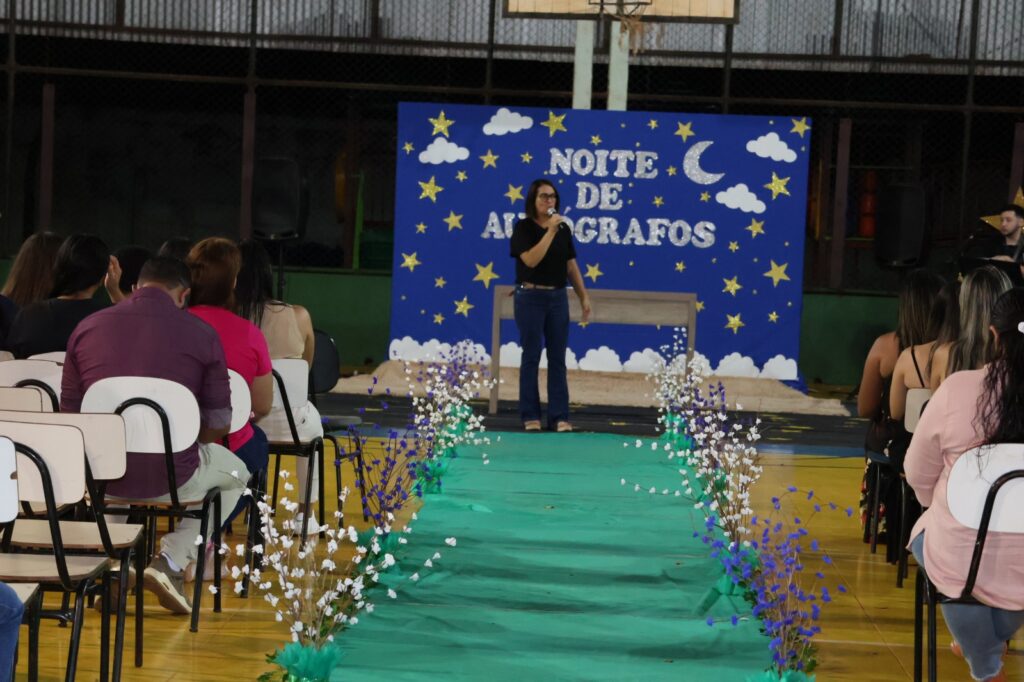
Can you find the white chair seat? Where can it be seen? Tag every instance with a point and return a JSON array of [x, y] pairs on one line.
[[77, 535], [25, 591], [42, 568]]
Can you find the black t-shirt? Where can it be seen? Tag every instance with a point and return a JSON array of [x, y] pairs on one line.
[[46, 326], [990, 247], [551, 270]]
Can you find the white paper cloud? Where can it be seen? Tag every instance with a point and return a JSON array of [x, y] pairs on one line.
[[703, 364], [602, 359], [771, 146], [511, 354], [411, 350], [570, 359], [738, 196], [474, 353], [505, 121], [780, 367], [736, 365], [644, 362], [441, 150]]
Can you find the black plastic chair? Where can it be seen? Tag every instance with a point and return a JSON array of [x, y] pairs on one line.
[[927, 596]]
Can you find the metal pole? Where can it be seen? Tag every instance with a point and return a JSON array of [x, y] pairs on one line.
[[489, 68], [583, 65], [1017, 163], [46, 157], [727, 69], [835, 275], [837, 28], [618, 67], [249, 131], [965, 152], [9, 132]]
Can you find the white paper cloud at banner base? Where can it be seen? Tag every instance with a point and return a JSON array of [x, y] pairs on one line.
[[441, 150], [505, 121], [739, 196], [601, 359], [771, 146]]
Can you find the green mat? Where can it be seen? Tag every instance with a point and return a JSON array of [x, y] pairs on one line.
[[560, 573]]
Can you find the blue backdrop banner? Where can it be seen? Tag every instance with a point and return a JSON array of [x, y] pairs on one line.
[[709, 204]]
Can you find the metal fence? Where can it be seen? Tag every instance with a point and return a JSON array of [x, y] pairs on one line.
[[144, 119]]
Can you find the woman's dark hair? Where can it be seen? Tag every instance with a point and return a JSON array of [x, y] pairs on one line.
[[979, 292], [214, 265], [82, 262], [531, 197], [947, 311], [131, 259], [255, 286], [31, 275], [176, 247], [915, 324], [1001, 405]]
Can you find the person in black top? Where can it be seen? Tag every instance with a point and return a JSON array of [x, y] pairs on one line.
[[545, 257], [83, 262]]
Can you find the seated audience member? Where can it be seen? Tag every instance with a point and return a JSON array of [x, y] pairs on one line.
[[289, 333], [176, 247], [973, 346], [971, 408], [83, 261], [885, 434], [214, 265], [30, 278], [125, 266], [150, 335], [914, 368], [11, 610]]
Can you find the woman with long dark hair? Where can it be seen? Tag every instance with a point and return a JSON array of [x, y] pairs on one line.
[[973, 407], [545, 258], [81, 267]]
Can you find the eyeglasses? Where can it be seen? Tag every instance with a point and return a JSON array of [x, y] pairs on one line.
[[544, 196]]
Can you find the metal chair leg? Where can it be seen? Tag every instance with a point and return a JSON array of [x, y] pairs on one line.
[[933, 671], [320, 483], [122, 612], [277, 477], [876, 491], [140, 568], [197, 590], [76, 632], [105, 626], [33, 638], [217, 540], [918, 623]]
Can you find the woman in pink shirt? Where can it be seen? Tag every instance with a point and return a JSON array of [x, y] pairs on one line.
[[214, 264], [971, 408]]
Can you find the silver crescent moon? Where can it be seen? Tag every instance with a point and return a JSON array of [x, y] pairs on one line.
[[691, 165]]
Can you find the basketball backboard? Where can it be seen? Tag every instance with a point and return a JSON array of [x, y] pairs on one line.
[[713, 11]]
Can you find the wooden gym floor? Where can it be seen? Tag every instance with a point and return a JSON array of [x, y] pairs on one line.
[[867, 633]]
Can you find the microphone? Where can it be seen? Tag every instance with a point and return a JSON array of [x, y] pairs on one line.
[[551, 211]]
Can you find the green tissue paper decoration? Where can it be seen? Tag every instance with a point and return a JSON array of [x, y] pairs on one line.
[[675, 432], [723, 587], [787, 676], [305, 663]]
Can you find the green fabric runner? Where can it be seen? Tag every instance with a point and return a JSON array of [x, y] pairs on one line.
[[560, 573]]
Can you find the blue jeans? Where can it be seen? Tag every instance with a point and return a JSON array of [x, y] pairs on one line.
[[981, 631], [10, 621], [542, 316], [255, 452]]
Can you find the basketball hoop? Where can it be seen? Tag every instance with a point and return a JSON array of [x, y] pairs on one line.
[[629, 14]]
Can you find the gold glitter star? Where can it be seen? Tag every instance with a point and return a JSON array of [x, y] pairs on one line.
[[407, 147], [438, 318], [514, 192], [800, 127], [441, 124], [671, 170], [583, 325], [734, 322], [554, 124], [410, 261], [453, 220], [777, 273], [755, 227], [593, 272], [777, 185], [699, 305], [461, 176], [463, 307], [421, 228], [430, 189], [732, 285], [485, 273], [680, 266], [659, 202], [684, 131], [652, 124], [705, 196], [773, 316], [734, 246], [439, 282], [595, 139], [526, 157], [490, 159]]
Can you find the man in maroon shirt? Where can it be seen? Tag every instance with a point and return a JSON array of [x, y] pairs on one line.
[[149, 334]]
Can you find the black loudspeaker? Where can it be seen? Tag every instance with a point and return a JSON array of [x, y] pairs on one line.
[[279, 200], [902, 225]]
